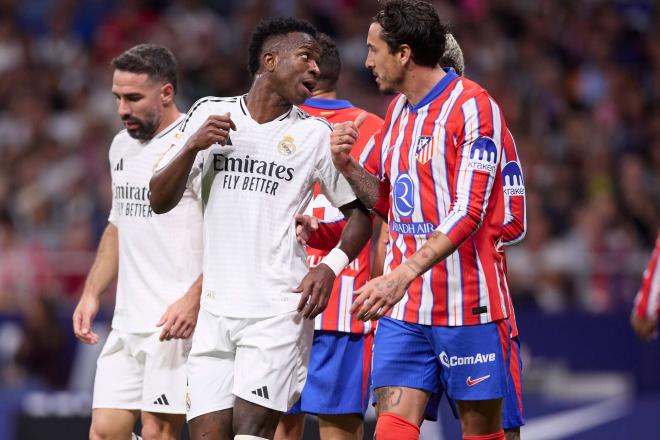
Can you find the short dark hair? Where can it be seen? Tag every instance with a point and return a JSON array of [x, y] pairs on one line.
[[271, 27], [330, 63], [157, 62], [415, 23]]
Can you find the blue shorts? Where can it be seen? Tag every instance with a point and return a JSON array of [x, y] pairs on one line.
[[468, 362], [338, 378], [512, 410]]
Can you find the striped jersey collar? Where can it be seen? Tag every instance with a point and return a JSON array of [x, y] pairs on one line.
[[170, 127], [436, 90], [243, 104], [328, 104]]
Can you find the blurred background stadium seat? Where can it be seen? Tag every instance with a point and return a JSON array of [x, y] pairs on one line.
[[579, 83]]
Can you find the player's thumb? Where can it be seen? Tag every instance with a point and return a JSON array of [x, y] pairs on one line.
[[233, 126], [360, 119], [86, 323]]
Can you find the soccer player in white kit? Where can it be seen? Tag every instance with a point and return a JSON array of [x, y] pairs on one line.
[[156, 258], [259, 157]]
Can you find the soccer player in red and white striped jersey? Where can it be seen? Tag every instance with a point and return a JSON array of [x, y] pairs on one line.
[[644, 318], [437, 162]]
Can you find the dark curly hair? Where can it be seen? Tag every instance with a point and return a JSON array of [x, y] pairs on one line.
[[271, 27], [329, 64], [156, 61], [415, 23]]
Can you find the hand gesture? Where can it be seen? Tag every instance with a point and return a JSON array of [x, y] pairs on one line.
[[342, 139], [305, 226], [180, 318], [378, 296], [315, 289], [215, 130], [83, 318]]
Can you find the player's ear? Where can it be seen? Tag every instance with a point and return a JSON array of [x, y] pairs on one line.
[[167, 94], [405, 54], [269, 61]]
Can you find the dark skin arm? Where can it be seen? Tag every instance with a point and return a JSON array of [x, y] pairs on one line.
[[168, 184], [316, 287]]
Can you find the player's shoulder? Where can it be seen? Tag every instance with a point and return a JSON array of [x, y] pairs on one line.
[[209, 105], [120, 143], [471, 90], [309, 121]]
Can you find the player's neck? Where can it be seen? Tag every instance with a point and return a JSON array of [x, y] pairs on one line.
[[170, 115], [419, 82], [325, 94], [264, 104]]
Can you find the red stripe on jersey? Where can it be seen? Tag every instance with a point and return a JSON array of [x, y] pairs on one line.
[[647, 300], [336, 316]]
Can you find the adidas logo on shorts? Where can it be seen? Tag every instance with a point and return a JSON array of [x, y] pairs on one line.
[[261, 392], [162, 400]]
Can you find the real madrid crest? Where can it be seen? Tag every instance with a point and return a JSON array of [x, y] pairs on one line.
[[286, 147]]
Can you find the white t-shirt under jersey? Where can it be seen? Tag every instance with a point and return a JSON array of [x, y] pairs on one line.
[[251, 191], [160, 256]]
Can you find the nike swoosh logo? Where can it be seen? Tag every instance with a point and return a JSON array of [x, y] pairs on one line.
[[471, 382]]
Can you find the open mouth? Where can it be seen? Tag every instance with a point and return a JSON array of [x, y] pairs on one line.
[[309, 84]]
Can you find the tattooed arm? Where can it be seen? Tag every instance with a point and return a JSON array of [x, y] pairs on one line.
[[379, 295]]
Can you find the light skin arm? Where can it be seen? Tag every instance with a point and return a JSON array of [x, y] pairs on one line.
[[365, 185], [379, 295], [168, 184], [180, 318], [316, 287], [103, 272]]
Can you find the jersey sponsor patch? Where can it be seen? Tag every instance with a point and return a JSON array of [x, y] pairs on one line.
[[483, 155]]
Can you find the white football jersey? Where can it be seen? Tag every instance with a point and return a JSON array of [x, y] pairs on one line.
[[160, 256], [251, 191]]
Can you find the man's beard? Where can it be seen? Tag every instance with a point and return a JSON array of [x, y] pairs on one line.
[[145, 131]]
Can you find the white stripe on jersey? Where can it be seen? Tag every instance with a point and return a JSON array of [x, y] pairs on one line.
[[499, 286], [346, 287], [483, 291]]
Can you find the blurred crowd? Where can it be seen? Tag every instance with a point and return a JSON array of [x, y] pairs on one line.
[[579, 83]]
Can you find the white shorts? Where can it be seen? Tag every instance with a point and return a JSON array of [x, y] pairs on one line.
[[261, 360], [139, 372]]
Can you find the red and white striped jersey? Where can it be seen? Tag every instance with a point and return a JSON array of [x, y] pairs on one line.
[[336, 316], [647, 301], [440, 164]]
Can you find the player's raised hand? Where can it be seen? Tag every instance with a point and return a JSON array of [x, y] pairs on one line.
[[342, 139], [215, 130], [83, 318], [378, 296], [315, 291], [305, 226], [180, 318]]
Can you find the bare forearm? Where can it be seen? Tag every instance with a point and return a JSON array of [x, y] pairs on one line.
[[357, 231], [168, 184], [378, 243], [106, 264], [196, 287], [437, 248], [365, 185]]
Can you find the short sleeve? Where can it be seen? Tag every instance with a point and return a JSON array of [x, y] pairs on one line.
[[333, 184]]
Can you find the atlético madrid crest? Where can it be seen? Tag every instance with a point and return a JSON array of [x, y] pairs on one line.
[[425, 148], [286, 147]]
